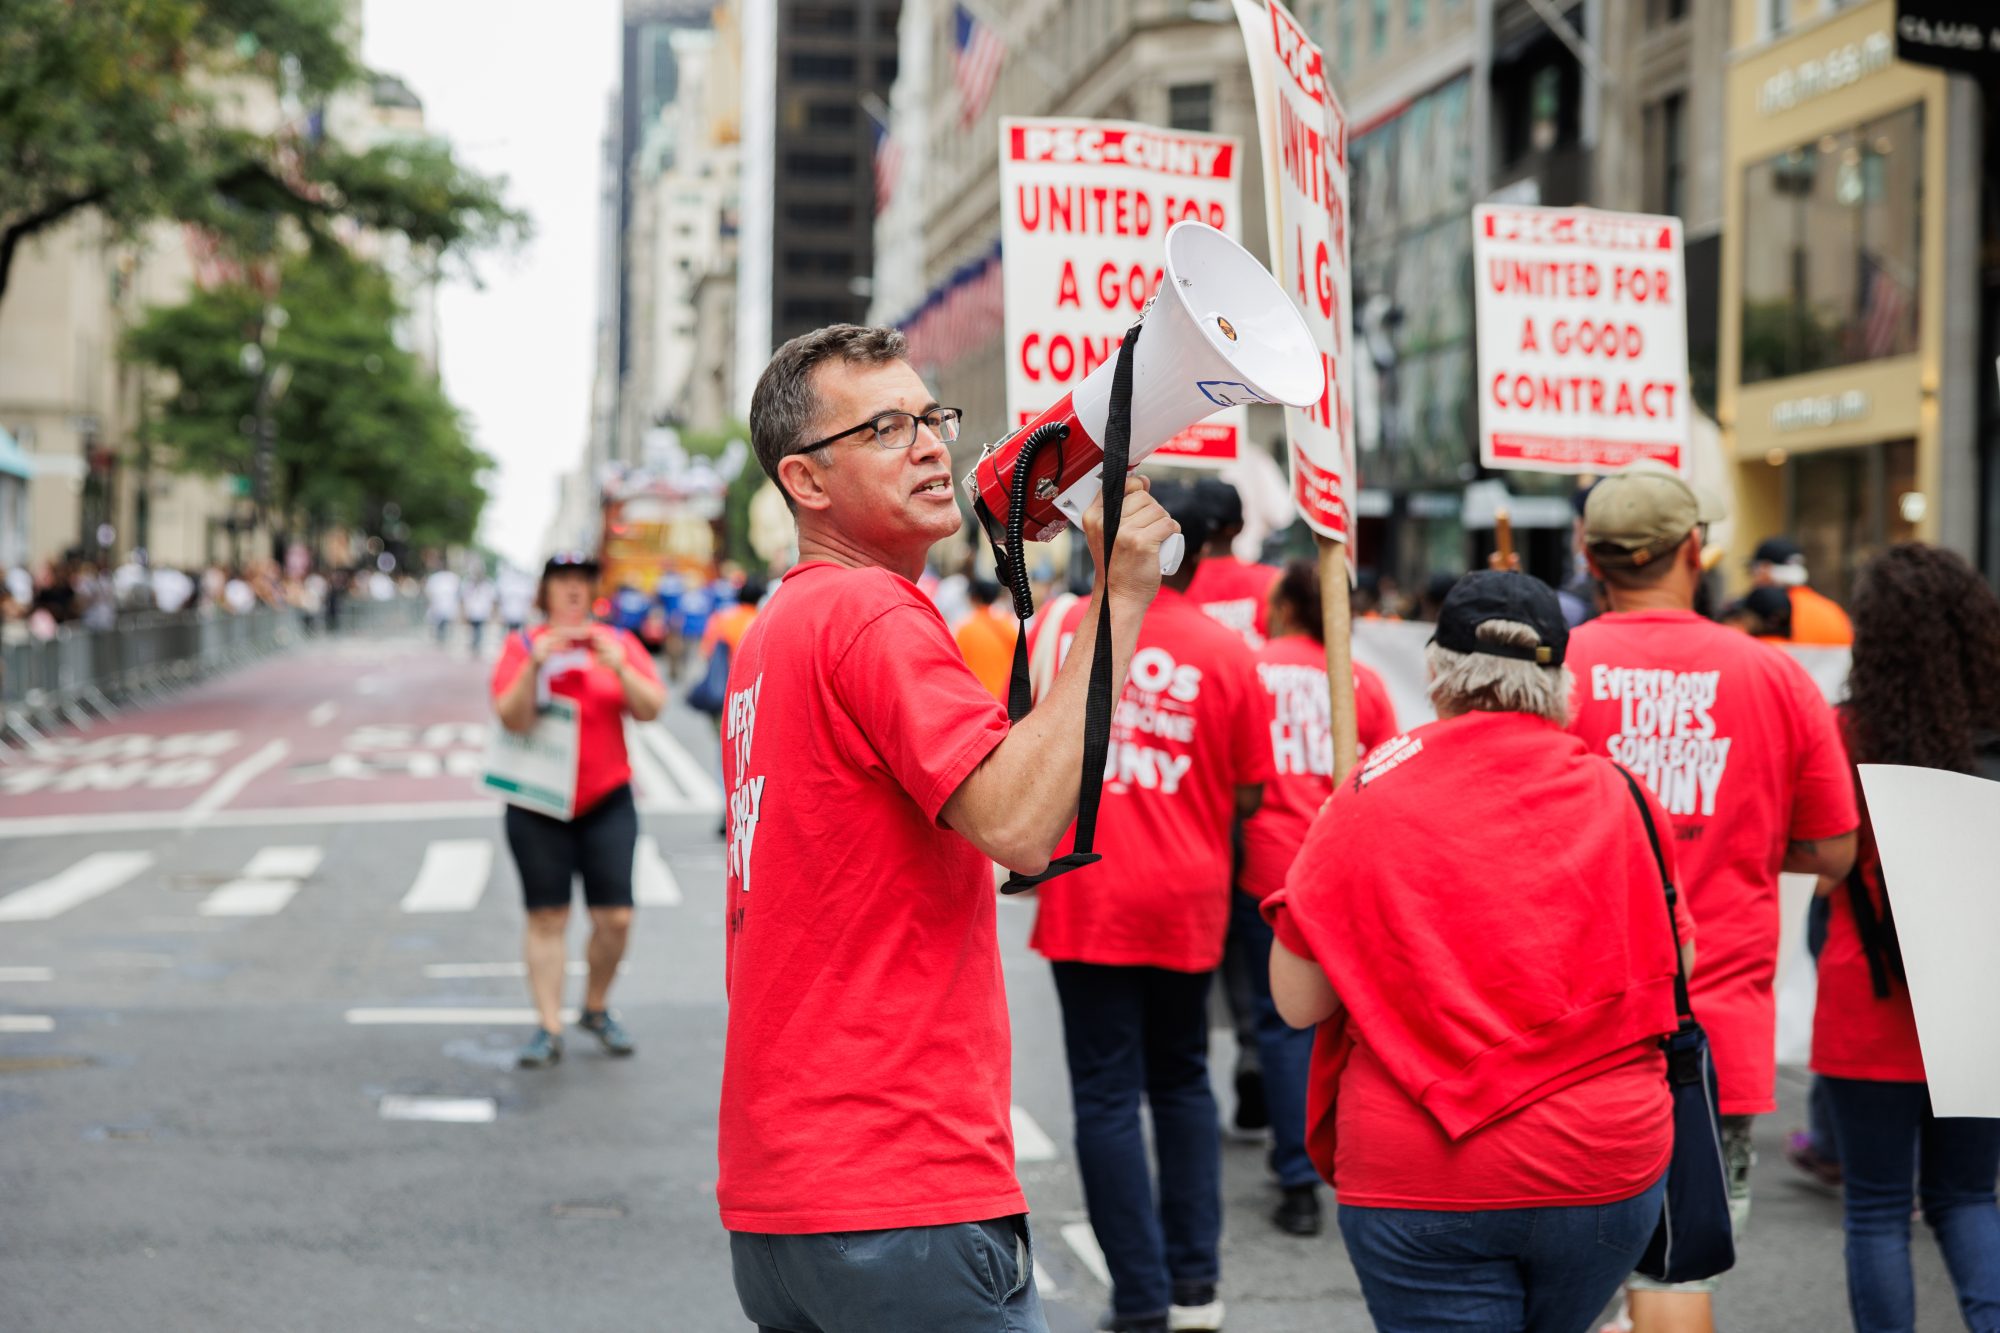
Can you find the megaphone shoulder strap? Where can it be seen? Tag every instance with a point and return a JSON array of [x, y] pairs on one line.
[[1098, 703]]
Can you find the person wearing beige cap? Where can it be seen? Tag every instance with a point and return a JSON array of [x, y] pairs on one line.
[[1744, 754]]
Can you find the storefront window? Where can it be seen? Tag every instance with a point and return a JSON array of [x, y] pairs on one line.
[[1832, 250], [1411, 194], [1847, 505]]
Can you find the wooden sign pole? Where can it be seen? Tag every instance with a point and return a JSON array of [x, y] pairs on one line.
[[1339, 627]]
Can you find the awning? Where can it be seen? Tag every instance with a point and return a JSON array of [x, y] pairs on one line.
[[14, 460]]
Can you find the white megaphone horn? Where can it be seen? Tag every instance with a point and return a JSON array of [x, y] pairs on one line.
[[1219, 332]]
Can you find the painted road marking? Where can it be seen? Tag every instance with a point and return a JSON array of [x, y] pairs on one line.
[[452, 877], [98, 873], [449, 1017], [445, 1110], [266, 886], [48, 826], [27, 974], [231, 784], [653, 882], [1082, 1242], [323, 714], [283, 863], [250, 897], [1030, 1143], [476, 971], [702, 792], [27, 1023], [655, 790], [1044, 1284]]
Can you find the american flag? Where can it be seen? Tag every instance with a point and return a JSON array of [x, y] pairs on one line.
[[888, 166], [979, 51], [1883, 308], [959, 316]]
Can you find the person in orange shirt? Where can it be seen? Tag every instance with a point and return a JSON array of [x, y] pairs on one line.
[[1816, 618], [729, 625], [986, 638]]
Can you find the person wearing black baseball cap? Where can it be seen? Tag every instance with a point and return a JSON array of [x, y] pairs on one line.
[[1520, 904], [1740, 747], [607, 674]]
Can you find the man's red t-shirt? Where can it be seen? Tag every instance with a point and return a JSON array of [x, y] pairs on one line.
[[1235, 593], [1509, 937], [1190, 728], [602, 766], [1292, 671], [1736, 741], [866, 1080], [1857, 1034]]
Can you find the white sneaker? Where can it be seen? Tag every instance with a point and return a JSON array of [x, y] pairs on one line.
[[1195, 1318]]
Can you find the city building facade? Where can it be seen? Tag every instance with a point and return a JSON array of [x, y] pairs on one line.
[[1860, 259]]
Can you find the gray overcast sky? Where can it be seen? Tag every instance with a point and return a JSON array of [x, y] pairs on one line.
[[519, 88]]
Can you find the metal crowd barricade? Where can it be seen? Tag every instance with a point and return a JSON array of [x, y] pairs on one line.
[[81, 675]]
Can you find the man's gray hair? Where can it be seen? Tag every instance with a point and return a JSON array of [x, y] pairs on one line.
[[785, 408], [1484, 683]]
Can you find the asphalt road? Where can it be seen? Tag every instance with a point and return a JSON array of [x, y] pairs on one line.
[[223, 968]]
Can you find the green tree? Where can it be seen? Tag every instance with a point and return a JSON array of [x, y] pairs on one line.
[[361, 422], [116, 105]]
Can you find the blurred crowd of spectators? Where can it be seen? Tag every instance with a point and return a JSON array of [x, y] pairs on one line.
[[36, 602]]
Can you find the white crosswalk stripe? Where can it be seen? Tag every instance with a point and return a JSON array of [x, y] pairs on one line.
[[653, 882], [96, 874], [268, 884], [452, 877]]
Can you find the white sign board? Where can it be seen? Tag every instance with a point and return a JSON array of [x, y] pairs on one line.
[[536, 770], [1582, 339], [1936, 833], [1304, 135], [1085, 207]]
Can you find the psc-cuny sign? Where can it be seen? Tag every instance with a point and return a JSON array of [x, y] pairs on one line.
[[1085, 209], [1582, 339], [1304, 134]]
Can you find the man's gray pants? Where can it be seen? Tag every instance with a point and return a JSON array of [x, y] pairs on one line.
[[967, 1277]]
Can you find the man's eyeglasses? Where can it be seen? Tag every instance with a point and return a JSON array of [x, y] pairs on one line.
[[897, 430]]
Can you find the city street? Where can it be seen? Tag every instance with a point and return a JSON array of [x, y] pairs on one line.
[[259, 1000]]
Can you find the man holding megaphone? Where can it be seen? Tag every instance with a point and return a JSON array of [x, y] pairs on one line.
[[866, 1154]]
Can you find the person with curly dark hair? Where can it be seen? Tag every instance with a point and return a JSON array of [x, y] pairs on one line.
[[1922, 692]]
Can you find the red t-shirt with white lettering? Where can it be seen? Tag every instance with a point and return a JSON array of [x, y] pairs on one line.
[[1190, 728], [866, 1080], [1292, 671], [1744, 753], [602, 766], [1235, 593]]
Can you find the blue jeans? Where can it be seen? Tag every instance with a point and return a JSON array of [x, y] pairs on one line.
[[1130, 1031], [975, 1276], [1893, 1148], [1511, 1270], [1284, 1051]]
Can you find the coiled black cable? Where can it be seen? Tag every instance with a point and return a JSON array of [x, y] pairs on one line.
[[1016, 558]]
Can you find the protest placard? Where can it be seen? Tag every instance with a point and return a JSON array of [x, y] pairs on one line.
[[1582, 339], [1085, 208], [1304, 138]]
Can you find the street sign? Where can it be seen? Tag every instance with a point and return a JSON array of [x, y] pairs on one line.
[[1304, 136], [1962, 35], [1085, 207], [1582, 339]]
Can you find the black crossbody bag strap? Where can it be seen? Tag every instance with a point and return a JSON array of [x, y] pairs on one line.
[[1682, 1006], [1098, 704]]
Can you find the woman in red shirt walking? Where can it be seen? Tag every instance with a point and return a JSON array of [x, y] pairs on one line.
[[1488, 1094], [607, 673], [1922, 692]]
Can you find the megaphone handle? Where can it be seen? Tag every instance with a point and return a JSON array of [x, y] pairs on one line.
[[1171, 551]]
